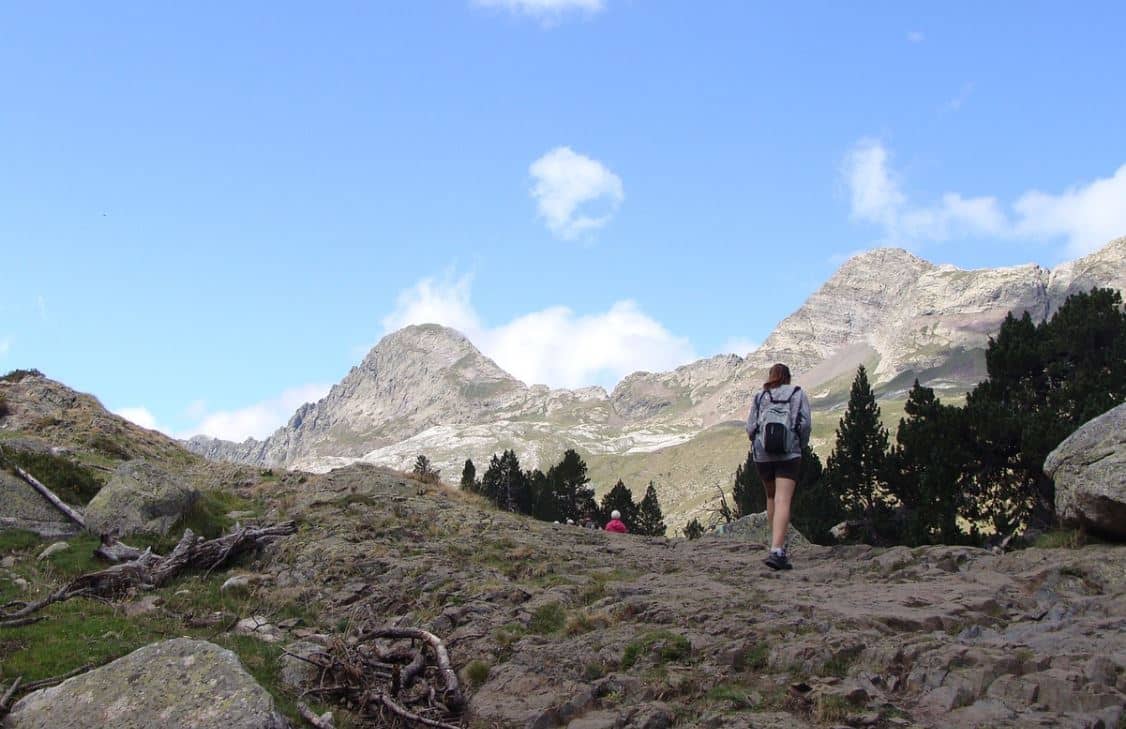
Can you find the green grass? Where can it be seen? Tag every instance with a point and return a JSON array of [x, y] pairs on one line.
[[18, 540], [1060, 539], [737, 696], [70, 481], [206, 517], [673, 647], [547, 619], [477, 672], [80, 631], [837, 666], [755, 659]]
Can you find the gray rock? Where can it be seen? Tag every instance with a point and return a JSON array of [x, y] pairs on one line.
[[176, 683], [298, 674], [754, 528], [1089, 469], [140, 498], [53, 549]]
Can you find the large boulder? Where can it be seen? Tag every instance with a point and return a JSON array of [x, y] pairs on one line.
[[1089, 469], [140, 498], [176, 683], [755, 528]]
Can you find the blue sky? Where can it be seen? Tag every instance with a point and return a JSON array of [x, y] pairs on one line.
[[210, 211]]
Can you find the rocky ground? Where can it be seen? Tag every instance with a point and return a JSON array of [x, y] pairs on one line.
[[557, 626]]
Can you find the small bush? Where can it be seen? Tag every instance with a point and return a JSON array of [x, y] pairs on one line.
[[18, 375], [694, 529], [110, 447], [5, 411], [548, 618], [755, 659], [669, 647], [477, 672], [735, 695], [593, 671]]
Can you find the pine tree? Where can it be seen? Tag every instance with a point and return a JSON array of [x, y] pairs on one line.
[[542, 497], [856, 469], [492, 486], [572, 490], [424, 471], [815, 509], [749, 494], [650, 520], [925, 468], [469, 476], [694, 529], [1044, 382], [620, 498]]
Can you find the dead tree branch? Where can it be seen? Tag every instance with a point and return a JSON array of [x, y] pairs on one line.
[[46, 493], [151, 570]]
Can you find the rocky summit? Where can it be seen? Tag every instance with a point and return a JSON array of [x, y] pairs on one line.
[[428, 390]]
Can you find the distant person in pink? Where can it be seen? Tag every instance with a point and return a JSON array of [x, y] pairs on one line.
[[616, 524]]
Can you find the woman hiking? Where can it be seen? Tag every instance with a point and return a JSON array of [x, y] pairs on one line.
[[779, 425]]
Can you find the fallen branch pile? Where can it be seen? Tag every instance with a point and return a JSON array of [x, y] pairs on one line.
[[148, 570], [390, 675]]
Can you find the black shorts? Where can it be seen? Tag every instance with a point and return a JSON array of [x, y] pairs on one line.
[[771, 470]]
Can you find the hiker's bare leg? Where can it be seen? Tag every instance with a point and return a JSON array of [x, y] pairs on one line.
[[769, 487], [780, 518]]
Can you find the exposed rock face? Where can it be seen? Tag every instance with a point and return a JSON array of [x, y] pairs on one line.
[[140, 498], [177, 683], [1089, 469], [426, 389]]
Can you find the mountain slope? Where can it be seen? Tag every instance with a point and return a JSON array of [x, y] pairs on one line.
[[427, 389]]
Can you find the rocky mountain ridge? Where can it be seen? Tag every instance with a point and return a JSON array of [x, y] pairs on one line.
[[427, 389]]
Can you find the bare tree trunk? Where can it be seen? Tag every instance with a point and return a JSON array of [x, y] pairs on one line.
[[46, 493]]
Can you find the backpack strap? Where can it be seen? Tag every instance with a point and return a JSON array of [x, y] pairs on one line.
[[797, 419]]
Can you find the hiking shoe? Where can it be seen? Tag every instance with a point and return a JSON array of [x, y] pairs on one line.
[[777, 561]]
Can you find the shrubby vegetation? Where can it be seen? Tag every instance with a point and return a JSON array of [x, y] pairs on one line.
[[18, 375], [955, 474], [563, 493]]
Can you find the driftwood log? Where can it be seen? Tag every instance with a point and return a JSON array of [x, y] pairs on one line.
[[150, 570]]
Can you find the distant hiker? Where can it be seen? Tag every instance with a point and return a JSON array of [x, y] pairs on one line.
[[616, 524], [779, 425]]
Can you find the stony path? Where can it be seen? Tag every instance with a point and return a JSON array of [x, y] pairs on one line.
[[590, 630]]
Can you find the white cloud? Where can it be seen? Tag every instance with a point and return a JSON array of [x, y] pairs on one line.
[[142, 417], [738, 345], [5, 346], [916, 36], [574, 194], [258, 420], [1086, 216], [41, 304], [547, 11], [554, 346]]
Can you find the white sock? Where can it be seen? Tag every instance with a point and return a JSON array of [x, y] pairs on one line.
[[778, 550]]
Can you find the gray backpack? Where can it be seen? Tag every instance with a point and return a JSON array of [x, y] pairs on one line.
[[778, 422]]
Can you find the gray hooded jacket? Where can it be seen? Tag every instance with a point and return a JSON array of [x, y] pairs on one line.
[[799, 406]]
